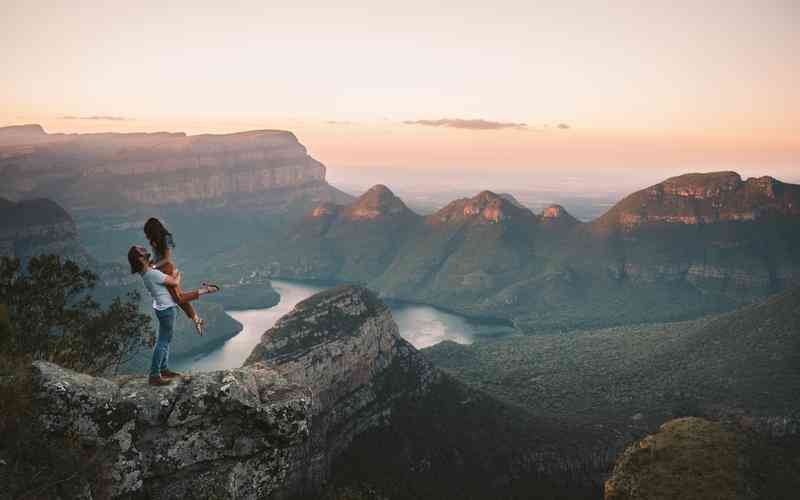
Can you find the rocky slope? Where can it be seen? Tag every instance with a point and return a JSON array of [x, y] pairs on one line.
[[344, 346], [352, 242], [687, 458], [331, 398], [260, 169], [688, 246], [382, 416], [231, 434], [697, 459]]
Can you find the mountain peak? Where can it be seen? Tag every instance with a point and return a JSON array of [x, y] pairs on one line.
[[486, 206], [704, 198], [556, 214], [378, 201]]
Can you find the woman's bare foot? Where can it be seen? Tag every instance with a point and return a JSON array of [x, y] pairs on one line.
[[199, 324]]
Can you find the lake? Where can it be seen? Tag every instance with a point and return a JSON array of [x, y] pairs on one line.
[[422, 325]]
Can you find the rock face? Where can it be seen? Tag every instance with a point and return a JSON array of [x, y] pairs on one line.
[[331, 396], [326, 373], [345, 347], [229, 434], [106, 170], [41, 226], [688, 458], [704, 199]]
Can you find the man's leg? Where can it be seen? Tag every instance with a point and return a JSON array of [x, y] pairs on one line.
[[170, 327], [166, 321]]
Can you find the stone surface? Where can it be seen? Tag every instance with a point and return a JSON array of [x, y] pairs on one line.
[[345, 347], [330, 370], [226, 434]]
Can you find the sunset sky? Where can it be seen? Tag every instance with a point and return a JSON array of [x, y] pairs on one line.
[[535, 86]]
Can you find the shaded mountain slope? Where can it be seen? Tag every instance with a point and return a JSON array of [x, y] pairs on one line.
[[741, 365], [691, 245], [347, 242], [696, 459]]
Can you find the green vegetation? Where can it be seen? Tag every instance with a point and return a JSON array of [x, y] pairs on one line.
[[51, 316], [634, 377], [47, 313]]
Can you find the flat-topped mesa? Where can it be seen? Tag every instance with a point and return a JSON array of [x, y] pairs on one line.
[[20, 135], [704, 199], [378, 201], [344, 345], [485, 207], [98, 171]]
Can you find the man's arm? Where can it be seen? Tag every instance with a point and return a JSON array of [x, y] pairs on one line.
[[172, 280]]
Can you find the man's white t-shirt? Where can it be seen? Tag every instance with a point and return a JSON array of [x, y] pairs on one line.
[[154, 282]]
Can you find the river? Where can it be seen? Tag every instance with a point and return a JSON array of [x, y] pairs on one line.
[[421, 325]]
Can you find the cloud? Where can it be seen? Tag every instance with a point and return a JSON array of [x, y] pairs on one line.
[[563, 126], [107, 118], [461, 123], [337, 122]]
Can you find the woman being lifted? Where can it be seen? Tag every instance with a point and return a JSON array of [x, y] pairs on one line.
[[162, 243]]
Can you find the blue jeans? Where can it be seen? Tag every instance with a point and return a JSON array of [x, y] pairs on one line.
[[166, 325]]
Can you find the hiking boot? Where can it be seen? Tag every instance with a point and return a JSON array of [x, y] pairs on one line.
[[167, 373], [159, 381]]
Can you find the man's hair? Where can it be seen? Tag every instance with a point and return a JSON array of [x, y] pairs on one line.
[[134, 261]]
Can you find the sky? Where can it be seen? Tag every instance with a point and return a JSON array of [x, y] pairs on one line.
[[614, 89]]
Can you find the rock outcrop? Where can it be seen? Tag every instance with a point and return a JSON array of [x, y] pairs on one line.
[[556, 215], [332, 396], [345, 347], [94, 171], [327, 372], [688, 458], [228, 434], [485, 207]]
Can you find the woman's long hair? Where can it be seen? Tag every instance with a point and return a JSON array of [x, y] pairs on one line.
[[159, 237]]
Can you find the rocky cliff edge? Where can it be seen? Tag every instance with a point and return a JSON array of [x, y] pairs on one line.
[[327, 371]]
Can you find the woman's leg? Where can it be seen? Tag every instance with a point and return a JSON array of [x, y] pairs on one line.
[[166, 325], [178, 295]]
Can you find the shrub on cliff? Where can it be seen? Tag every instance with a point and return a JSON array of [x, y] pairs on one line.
[[51, 316]]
